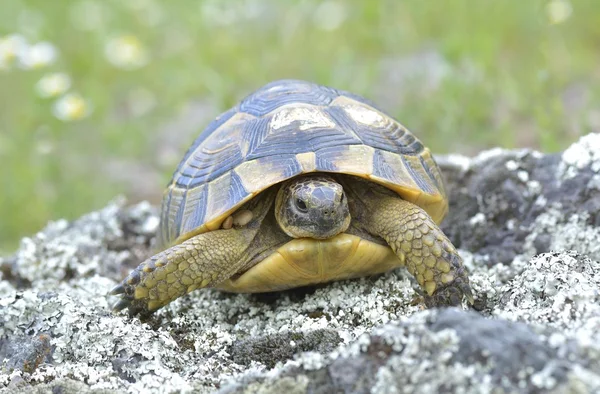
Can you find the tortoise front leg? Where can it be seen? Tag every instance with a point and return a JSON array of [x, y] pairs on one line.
[[417, 240], [204, 260]]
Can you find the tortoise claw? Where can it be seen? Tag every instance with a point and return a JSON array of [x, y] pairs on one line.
[[125, 292], [118, 289], [469, 295], [121, 304], [134, 307], [451, 294]]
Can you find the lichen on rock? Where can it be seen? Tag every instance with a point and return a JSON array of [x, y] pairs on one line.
[[517, 218]]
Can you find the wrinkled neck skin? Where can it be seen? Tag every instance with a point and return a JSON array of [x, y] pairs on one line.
[[364, 196], [312, 206]]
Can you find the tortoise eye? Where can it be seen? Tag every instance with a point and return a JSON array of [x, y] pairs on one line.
[[301, 205]]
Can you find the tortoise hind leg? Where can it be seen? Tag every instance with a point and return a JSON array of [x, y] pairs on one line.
[[416, 239]]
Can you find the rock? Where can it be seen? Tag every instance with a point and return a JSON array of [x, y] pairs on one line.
[[536, 330], [509, 203], [432, 351], [270, 349], [25, 353], [457, 351], [559, 290]]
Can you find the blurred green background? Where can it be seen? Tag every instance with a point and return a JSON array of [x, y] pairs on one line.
[[101, 98]]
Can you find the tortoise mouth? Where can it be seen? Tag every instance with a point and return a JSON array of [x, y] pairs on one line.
[[321, 228]]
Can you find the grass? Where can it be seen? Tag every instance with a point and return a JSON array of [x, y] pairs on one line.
[[464, 75]]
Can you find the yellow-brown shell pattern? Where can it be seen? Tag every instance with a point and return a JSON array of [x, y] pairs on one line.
[[284, 129]]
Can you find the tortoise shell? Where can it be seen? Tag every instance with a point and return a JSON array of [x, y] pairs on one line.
[[285, 129]]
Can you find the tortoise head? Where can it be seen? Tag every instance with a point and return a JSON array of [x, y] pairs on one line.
[[312, 206]]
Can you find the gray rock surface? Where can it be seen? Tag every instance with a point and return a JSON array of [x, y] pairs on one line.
[[532, 202], [535, 327]]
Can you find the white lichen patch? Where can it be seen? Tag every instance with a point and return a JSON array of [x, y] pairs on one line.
[[595, 182], [214, 321], [454, 161], [56, 284], [69, 267], [478, 219], [523, 176], [511, 165], [559, 290], [562, 291], [188, 346], [584, 153], [89, 341], [61, 250], [404, 371], [489, 154], [534, 187], [565, 233]]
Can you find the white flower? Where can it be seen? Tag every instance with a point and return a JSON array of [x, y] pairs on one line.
[[330, 15], [126, 52], [52, 85], [71, 107], [558, 11], [38, 55], [11, 47]]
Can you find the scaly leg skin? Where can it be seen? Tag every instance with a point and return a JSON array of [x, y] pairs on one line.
[[204, 260], [419, 243], [198, 262]]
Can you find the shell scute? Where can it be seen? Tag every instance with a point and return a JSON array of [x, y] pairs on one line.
[[212, 126], [279, 93], [285, 129]]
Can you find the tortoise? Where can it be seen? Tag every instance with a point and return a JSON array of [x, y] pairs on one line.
[[299, 184]]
